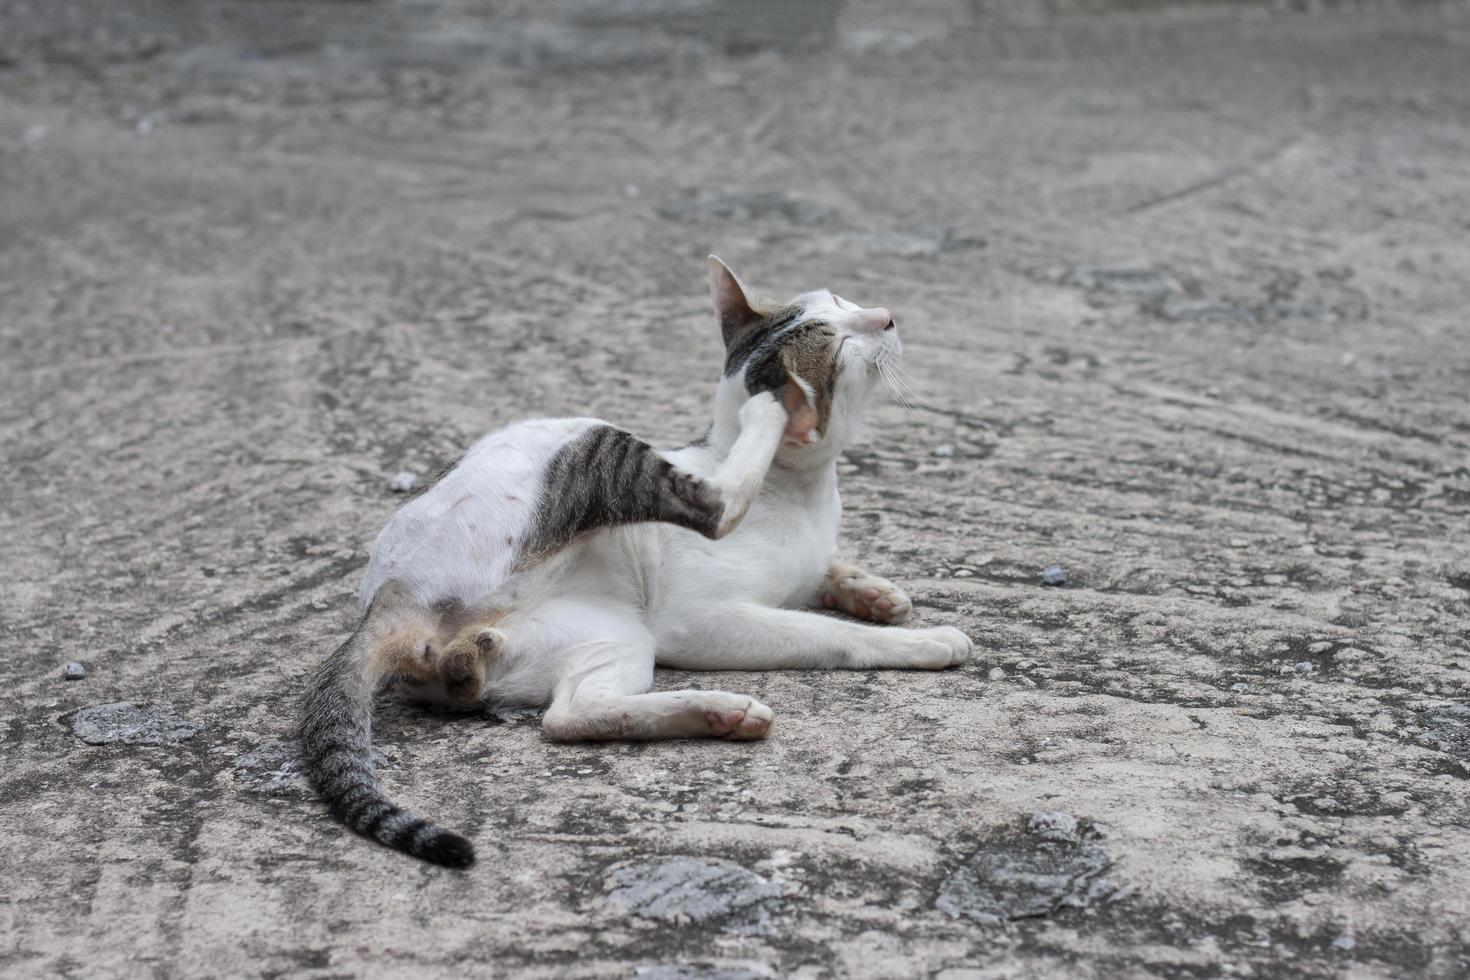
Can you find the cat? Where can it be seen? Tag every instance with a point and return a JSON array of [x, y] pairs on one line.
[[559, 560]]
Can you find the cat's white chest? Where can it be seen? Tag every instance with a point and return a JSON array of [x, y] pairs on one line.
[[780, 553]]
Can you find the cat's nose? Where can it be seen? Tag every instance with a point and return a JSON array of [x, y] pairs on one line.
[[873, 321]]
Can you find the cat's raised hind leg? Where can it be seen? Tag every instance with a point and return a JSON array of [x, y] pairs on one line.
[[763, 422], [608, 477]]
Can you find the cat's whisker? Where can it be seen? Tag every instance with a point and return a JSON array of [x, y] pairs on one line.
[[898, 384], [894, 386], [908, 386]]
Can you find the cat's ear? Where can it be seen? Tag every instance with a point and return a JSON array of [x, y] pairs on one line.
[[732, 306], [801, 407]]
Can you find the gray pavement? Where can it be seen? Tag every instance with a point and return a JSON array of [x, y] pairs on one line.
[[1185, 289]]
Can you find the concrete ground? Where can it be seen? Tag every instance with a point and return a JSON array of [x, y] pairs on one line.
[[1185, 290]]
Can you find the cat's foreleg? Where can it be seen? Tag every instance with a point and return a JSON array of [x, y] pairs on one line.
[[863, 595], [603, 695], [747, 636]]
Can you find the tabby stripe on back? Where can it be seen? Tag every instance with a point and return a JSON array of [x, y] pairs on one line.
[[607, 477]]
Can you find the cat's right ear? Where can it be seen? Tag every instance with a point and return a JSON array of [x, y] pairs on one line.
[[732, 306]]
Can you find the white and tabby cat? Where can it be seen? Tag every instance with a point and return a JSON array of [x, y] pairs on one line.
[[559, 560]]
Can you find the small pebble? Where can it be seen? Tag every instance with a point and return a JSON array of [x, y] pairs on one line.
[[1240, 688], [996, 674], [1239, 543], [944, 451], [1344, 942], [403, 482], [1053, 825], [1304, 667], [74, 671], [1054, 575], [963, 573]]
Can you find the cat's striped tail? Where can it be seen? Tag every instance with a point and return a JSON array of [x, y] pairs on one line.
[[336, 741]]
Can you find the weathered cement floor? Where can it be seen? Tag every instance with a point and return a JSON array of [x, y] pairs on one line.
[[1187, 293]]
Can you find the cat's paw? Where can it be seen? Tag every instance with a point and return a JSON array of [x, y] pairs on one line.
[[763, 411], [867, 597], [941, 646], [741, 724]]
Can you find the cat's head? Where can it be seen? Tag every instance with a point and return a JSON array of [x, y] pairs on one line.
[[818, 353]]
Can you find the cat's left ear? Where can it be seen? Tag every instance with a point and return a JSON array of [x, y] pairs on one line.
[[731, 303]]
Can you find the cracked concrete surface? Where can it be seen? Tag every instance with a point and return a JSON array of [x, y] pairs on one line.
[[1184, 288]]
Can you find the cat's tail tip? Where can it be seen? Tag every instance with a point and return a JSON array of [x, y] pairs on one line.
[[448, 850], [377, 819]]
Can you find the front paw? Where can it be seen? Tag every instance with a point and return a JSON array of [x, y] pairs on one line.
[[941, 647], [747, 723], [868, 597]]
